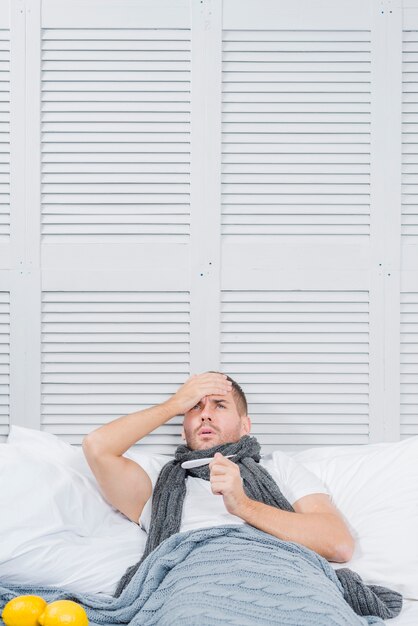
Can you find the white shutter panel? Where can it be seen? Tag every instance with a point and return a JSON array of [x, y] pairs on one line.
[[115, 94], [409, 226], [298, 288], [9, 334]]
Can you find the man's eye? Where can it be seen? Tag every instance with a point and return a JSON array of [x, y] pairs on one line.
[[221, 405]]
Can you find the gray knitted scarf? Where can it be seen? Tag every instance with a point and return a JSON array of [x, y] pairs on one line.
[[258, 484]]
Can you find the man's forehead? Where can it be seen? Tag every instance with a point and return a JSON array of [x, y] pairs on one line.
[[216, 398]]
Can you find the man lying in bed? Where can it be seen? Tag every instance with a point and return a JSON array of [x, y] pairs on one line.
[[215, 412], [285, 501]]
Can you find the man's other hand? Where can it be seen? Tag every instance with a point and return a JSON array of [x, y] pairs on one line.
[[225, 480]]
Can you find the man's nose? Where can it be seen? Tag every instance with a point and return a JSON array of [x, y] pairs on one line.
[[206, 410]]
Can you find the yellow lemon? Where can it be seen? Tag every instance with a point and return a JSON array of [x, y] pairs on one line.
[[63, 612], [23, 611]]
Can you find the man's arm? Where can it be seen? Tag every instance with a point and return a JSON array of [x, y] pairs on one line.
[[316, 523], [116, 437], [122, 481], [322, 531]]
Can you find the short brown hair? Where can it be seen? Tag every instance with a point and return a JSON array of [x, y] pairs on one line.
[[239, 395]]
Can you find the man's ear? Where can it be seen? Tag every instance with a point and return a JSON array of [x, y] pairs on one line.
[[247, 424], [183, 435]]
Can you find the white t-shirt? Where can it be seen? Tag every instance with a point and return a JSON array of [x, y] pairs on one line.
[[203, 509]]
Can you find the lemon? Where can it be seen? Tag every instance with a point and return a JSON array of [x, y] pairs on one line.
[[63, 612], [23, 611]]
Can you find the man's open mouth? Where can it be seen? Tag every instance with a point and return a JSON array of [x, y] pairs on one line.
[[206, 431]]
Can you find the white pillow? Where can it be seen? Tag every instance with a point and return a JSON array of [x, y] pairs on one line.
[[375, 487], [50, 447], [60, 530]]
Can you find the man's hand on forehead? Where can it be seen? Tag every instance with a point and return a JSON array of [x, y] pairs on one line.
[[200, 386]]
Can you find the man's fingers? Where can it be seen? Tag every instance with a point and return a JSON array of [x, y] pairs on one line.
[[219, 469], [211, 389], [217, 460], [226, 384], [212, 384], [218, 378]]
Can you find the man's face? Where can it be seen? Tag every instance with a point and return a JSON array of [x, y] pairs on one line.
[[218, 416]]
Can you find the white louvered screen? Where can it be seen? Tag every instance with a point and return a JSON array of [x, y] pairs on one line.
[[409, 364], [211, 185], [106, 354], [296, 133], [4, 363], [303, 357], [4, 134], [115, 135]]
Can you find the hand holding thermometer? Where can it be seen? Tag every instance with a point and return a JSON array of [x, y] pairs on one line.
[[199, 462]]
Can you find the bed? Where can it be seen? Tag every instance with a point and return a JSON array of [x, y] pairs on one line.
[[61, 532]]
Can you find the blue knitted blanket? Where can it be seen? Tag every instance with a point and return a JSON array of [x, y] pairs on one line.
[[234, 574]]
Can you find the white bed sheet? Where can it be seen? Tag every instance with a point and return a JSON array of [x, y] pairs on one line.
[[408, 616]]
